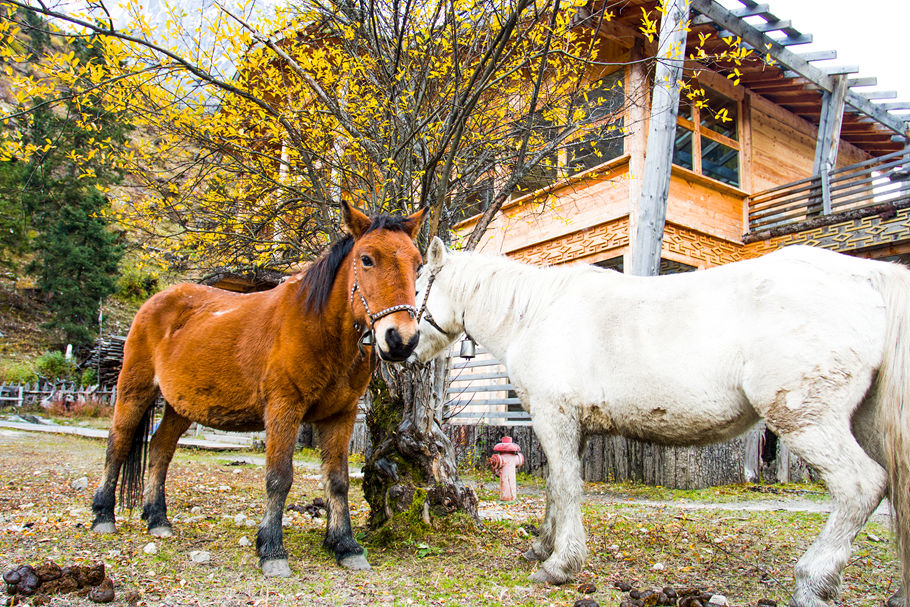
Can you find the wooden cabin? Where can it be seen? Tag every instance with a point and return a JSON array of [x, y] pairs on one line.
[[808, 156]]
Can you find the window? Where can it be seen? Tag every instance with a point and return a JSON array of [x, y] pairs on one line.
[[601, 106], [545, 172], [707, 135], [477, 199], [602, 102], [667, 266]]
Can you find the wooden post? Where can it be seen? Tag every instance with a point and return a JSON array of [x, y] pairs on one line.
[[637, 89], [829, 125], [646, 240]]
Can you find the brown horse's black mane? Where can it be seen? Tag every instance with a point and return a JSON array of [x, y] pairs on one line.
[[319, 278]]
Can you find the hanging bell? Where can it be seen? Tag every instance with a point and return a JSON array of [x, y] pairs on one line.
[[468, 348]]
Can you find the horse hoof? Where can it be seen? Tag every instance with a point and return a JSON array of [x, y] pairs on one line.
[[355, 562], [162, 531], [532, 555], [276, 568], [104, 528], [542, 576]]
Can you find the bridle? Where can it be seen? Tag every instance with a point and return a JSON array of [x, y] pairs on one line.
[[366, 337], [425, 312]]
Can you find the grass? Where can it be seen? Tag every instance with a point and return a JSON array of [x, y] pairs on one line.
[[744, 555]]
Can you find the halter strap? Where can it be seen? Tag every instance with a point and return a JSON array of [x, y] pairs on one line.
[[425, 312], [370, 315]]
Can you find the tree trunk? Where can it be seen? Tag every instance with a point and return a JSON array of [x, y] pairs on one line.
[[411, 467]]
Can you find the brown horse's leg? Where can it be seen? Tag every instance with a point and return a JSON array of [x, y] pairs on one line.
[[280, 437], [334, 439], [161, 451], [131, 412]]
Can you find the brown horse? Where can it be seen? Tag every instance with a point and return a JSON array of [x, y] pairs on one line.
[[266, 360]]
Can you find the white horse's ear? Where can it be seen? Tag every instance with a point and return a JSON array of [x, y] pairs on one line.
[[436, 254]]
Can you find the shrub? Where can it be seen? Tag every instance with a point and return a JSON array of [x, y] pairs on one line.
[[135, 285], [89, 377], [55, 366], [82, 406], [13, 372]]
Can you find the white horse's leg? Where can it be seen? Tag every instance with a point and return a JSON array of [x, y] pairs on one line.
[[562, 535], [857, 485], [542, 548]]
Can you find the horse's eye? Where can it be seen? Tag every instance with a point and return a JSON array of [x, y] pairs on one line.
[[419, 267], [366, 261]]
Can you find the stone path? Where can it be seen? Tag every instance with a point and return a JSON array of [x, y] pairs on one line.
[[196, 443]]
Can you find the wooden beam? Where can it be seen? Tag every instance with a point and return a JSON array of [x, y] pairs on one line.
[[790, 60], [879, 94], [647, 239], [794, 40], [865, 81], [773, 26], [819, 55], [829, 136], [841, 69]]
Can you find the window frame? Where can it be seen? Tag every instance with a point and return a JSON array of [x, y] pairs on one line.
[[698, 131]]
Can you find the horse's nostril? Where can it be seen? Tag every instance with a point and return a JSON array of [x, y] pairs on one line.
[[393, 338], [412, 343]]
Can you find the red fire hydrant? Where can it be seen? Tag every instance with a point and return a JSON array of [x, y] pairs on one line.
[[506, 459]]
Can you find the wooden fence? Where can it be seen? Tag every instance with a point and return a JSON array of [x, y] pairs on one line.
[[482, 409], [481, 393], [877, 185], [30, 395]]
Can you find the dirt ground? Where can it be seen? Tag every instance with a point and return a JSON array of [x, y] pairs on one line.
[[731, 541]]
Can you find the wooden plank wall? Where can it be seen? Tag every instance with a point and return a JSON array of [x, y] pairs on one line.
[[615, 459]]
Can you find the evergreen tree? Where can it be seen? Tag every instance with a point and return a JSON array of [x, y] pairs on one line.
[[75, 252], [13, 219], [77, 261]]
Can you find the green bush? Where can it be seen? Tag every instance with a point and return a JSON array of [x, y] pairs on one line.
[[13, 372], [89, 377], [54, 366], [136, 285]]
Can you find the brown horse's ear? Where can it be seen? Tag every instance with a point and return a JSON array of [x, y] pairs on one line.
[[413, 222], [355, 222]]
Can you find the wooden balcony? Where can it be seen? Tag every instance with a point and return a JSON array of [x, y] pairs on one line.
[[879, 186]]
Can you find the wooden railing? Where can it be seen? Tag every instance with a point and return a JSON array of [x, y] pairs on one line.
[[874, 185], [480, 392], [20, 395]]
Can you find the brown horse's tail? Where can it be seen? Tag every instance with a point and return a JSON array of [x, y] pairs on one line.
[[893, 392], [132, 472]]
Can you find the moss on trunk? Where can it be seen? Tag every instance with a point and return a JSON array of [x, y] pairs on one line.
[[412, 464]]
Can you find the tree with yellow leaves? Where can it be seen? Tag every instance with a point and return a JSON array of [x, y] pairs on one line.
[[256, 123]]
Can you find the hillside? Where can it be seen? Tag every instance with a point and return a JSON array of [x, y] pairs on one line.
[[22, 314]]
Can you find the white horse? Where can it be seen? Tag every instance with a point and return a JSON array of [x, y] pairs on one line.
[[813, 342]]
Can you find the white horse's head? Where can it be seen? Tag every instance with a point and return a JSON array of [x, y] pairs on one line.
[[442, 322]]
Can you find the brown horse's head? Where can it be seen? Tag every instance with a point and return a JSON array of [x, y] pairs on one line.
[[384, 262]]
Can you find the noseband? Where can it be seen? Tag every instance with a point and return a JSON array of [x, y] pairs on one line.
[[366, 338]]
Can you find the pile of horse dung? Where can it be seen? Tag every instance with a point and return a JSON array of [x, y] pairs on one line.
[[49, 579], [680, 597]]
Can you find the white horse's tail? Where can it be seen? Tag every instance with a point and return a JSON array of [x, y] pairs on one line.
[[893, 392]]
